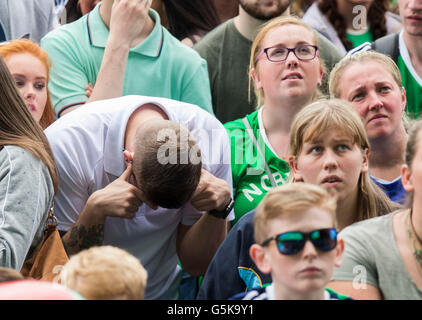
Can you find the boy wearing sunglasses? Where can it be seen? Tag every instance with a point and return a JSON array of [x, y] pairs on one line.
[[296, 241]]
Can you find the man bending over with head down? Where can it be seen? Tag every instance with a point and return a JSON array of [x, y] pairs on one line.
[[149, 175]]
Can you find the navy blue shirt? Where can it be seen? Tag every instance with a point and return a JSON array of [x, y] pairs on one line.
[[232, 270], [394, 190]]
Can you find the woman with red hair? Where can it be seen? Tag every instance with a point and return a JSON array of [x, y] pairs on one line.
[[29, 66]]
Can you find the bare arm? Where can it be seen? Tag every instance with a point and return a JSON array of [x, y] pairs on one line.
[[119, 199], [358, 292], [197, 244], [127, 22]]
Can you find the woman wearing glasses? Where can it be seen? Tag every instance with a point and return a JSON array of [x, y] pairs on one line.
[[328, 147], [286, 71]]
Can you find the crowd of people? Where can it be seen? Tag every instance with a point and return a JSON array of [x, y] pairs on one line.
[[213, 149]]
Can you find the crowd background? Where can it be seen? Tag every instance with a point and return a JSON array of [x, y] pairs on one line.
[[298, 121]]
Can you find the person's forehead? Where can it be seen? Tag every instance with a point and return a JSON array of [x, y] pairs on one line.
[[301, 220], [289, 33], [361, 74]]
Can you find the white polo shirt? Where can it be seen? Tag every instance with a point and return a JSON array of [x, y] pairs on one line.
[[87, 144]]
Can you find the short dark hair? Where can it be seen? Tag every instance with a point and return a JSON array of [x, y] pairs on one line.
[[167, 164]]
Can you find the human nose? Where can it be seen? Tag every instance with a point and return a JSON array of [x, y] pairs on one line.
[[309, 250], [291, 59], [330, 160], [374, 101], [28, 92]]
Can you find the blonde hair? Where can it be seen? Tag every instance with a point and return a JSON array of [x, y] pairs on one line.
[[315, 119], [105, 273], [411, 150], [291, 198], [256, 49], [358, 58], [32, 48]]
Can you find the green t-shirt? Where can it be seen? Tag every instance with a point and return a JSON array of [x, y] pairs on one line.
[[358, 39], [413, 90], [160, 66], [250, 180]]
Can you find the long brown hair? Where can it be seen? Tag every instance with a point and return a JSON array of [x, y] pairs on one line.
[[18, 127], [30, 47], [375, 17]]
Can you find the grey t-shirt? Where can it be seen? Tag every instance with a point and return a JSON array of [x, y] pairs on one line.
[[26, 194], [227, 53], [371, 256]]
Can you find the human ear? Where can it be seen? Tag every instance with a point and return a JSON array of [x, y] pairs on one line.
[[406, 178], [295, 170], [339, 253], [365, 160], [260, 256], [128, 156], [403, 98], [256, 78]]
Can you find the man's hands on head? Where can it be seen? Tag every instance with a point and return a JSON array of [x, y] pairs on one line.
[[212, 193], [127, 21]]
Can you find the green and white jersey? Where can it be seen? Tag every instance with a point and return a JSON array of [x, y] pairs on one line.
[[411, 81], [359, 37], [250, 180]]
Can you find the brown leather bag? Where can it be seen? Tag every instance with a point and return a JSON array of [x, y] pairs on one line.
[[46, 260]]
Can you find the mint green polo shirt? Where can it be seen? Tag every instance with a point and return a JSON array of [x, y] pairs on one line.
[[160, 66]]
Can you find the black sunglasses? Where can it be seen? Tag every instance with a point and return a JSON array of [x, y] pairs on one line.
[[293, 242]]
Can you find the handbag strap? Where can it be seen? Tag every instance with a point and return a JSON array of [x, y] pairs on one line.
[[255, 142]]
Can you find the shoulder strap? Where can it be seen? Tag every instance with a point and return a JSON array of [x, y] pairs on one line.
[[252, 136], [388, 45]]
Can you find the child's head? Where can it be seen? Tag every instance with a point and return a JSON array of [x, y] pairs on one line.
[[105, 273], [300, 269], [329, 147]]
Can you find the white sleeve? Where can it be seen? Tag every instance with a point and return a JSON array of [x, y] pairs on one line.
[[73, 183], [216, 160]]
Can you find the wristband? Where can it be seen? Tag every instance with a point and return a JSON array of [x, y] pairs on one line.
[[224, 213]]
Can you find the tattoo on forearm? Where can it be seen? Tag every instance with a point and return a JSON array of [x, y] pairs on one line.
[[80, 238]]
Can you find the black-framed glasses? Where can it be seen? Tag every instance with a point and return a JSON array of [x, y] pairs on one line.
[[303, 52], [293, 242]]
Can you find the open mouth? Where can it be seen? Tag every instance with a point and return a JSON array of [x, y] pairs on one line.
[[331, 180], [293, 76]]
